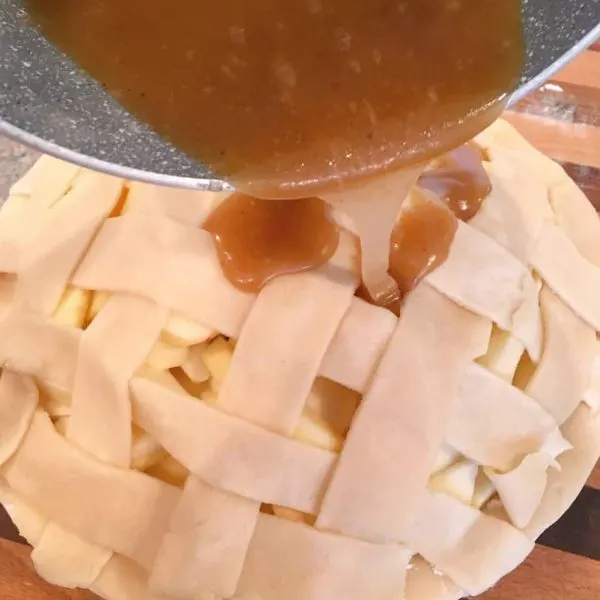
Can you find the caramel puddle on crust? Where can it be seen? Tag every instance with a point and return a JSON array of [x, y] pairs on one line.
[[459, 180], [420, 242], [257, 240]]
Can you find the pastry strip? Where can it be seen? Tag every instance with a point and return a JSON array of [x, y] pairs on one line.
[[112, 348], [496, 424], [251, 462], [296, 562], [50, 258], [393, 441], [521, 490], [563, 373], [482, 276], [582, 430], [273, 400], [18, 401], [35, 345], [573, 278], [188, 207], [473, 549], [70, 487], [504, 216], [358, 345], [153, 257]]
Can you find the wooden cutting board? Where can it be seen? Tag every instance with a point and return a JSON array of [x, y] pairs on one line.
[[563, 120]]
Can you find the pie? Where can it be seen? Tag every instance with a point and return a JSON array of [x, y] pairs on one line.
[[164, 435]]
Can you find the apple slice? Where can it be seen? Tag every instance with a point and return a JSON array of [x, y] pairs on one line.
[[73, 307]]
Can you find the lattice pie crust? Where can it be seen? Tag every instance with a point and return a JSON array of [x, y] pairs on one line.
[[164, 435]]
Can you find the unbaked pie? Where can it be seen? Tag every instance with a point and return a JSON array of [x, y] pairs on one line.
[[165, 435]]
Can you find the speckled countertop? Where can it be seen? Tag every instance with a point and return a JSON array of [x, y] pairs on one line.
[[14, 161]]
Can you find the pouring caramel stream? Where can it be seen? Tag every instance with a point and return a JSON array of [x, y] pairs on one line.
[[308, 98], [258, 240]]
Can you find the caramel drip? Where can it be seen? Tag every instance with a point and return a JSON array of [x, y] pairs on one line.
[[421, 242], [460, 180], [257, 240], [260, 239]]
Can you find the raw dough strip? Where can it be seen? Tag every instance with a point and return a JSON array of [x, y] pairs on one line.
[[48, 261], [112, 348], [154, 257], [296, 562], [8, 283], [577, 217], [473, 549], [18, 401], [521, 490], [28, 206], [29, 521], [70, 487], [563, 373], [591, 396], [573, 212], [17, 227], [117, 261], [358, 344], [120, 579], [501, 137], [271, 399], [35, 345], [290, 326], [361, 339], [573, 278], [251, 462], [124, 579], [482, 276], [48, 180], [393, 441], [187, 207], [496, 425], [515, 224], [423, 583], [63, 558], [205, 546], [582, 430]]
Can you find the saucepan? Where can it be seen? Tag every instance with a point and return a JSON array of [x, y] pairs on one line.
[[48, 103]]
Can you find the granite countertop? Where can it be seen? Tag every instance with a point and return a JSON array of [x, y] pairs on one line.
[[15, 159]]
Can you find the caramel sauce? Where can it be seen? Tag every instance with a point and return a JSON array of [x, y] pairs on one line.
[[257, 240], [460, 180], [290, 98], [421, 242]]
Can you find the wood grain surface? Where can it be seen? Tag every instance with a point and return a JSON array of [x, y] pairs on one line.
[[563, 120]]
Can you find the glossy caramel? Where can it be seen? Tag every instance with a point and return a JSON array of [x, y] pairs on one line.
[[290, 98], [421, 242], [460, 180], [257, 240]]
